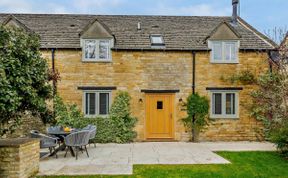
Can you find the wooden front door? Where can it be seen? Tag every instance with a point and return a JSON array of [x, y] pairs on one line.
[[159, 116]]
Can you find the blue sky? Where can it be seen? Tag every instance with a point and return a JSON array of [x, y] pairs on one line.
[[262, 14]]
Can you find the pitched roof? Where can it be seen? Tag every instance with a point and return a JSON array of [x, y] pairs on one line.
[[179, 32]]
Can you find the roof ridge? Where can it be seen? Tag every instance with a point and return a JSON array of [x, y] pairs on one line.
[[123, 15]]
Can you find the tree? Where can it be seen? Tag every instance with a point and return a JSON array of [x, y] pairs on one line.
[[24, 77], [270, 100], [197, 108]]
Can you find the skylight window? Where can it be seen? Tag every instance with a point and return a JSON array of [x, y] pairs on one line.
[[157, 40]]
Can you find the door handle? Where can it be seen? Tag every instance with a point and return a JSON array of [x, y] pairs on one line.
[[171, 116]]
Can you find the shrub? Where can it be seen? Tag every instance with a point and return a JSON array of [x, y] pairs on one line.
[[270, 105], [67, 115], [197, 108], [116, 128], [121, 115]]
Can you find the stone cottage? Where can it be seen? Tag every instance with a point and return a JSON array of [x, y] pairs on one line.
[[159, 60]]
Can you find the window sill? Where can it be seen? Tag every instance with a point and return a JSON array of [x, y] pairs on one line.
[[96, 116], [97, 61], [224, 118], [223, 62]]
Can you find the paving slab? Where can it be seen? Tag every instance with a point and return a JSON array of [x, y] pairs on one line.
[[118, 159]]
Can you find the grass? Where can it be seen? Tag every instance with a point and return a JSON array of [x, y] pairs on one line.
[[244, 165]]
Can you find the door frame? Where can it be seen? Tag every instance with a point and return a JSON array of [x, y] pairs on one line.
[[172, 95]]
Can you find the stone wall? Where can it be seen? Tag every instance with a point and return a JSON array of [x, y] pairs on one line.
[[19, 158], [133, 71], [28, 123]]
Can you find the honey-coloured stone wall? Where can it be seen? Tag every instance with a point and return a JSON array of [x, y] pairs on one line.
[[134, 71]]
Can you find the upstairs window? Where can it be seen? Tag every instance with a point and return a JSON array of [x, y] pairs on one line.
[[96, 50], [224, 104], [224, 51]]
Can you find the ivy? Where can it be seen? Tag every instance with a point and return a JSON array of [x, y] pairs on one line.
[[245, 77]]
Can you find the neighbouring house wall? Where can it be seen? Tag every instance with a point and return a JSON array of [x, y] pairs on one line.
[[134, 70]]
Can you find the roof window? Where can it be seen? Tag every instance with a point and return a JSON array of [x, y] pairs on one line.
[[157, 40]]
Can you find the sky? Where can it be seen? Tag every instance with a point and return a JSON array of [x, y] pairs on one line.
[[265, 15]]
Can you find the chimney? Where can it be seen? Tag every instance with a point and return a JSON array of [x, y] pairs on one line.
[[139, 26], [235, 11]]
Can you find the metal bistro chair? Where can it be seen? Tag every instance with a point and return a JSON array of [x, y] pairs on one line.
[[45, 141], [78, 140], [93, 130], [55, 129]]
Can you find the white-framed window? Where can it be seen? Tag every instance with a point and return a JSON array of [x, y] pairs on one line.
[[224, 104], [96, 50], [96, 103], [224, 51]]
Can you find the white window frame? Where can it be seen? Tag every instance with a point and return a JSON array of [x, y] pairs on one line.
[[223, 43], [223, 114], [97, 58], [97, 98], [157, 36]]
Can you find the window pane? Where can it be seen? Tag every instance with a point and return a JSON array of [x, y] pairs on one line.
[[230, 51], [86, 103], [157, 40], [90, 49], [217, 51], [103, 49], [104, 103], [230, 103], [90, 104], [217, 103]]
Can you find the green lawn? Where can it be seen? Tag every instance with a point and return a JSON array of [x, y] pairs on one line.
[[244, 165]]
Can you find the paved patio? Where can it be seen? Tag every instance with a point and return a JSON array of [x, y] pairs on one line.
[[116, 159]]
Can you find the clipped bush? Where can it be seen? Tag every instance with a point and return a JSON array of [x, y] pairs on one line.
[[120, 113], [116, 128], [197, 108]]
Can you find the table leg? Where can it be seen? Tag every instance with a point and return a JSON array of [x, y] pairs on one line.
[[71, 151]]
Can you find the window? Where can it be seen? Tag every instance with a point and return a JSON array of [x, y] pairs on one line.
[[224, 51], [96, 50], [224, 104], [96, 103], [157, 40]]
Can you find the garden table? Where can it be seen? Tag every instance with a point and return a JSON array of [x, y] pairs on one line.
[[61, 135]]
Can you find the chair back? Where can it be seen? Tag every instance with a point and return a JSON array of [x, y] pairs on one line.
[[93, 132], [80, 138], [45, 140], [88, 127]]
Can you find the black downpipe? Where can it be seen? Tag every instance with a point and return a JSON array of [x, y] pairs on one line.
[[193, 90], [193, 72], [54, 82], [53, 70]]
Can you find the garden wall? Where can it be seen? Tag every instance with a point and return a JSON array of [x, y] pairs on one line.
[[19, 158]]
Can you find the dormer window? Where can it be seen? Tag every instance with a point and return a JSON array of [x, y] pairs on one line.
[[95, 50], [224, 51], [157, 41]]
